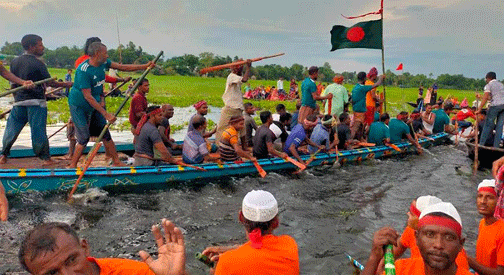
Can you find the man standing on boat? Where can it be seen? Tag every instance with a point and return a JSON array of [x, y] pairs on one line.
[[138, 104], [310, 94], [494, 92], [371, 97], [359, 93], [340, 96], [85, 101], [30, 104], [233, 100]]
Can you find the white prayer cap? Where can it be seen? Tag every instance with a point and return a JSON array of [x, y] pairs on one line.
[[443, 207], [276, 130], [487, 183], [424, 201], [259, 206]]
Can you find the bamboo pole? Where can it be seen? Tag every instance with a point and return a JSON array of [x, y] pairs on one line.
[[100, 137], [8, 92], [476, 130], [237, 63], [383, 67]]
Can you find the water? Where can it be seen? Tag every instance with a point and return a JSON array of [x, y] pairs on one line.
[[329, 211]]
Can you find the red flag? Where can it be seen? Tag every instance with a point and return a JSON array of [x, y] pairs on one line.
[[399, 68], [379, 12]]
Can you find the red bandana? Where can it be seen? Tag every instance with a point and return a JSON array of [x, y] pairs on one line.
[[490, 190], [441, 221], [414, 210], [144, 119], [199, 104]]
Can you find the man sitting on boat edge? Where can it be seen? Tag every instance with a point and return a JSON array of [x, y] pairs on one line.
[[55, 249], [195, 149], [264, 138], [399, 129], [149, 138], [230, 147], [299, 136], [379, 132]]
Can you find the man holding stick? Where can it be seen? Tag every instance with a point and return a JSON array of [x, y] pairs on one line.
[[85, 100], [30, 104], [233, 99]]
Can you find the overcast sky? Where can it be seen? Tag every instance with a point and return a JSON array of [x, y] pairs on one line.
[[430, 36]]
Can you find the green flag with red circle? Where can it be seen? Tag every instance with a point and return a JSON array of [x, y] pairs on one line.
[[366, 34]]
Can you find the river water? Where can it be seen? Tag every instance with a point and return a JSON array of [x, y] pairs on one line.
[[329, 211]]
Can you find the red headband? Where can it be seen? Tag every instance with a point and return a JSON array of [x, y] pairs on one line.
[[414, 210], [144, 119], [490, 190], [199, 104], [255, 237], [441, 221]]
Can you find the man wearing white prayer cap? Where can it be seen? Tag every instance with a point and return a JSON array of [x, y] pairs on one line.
[[264, 253], [439, 239], [489, 258]]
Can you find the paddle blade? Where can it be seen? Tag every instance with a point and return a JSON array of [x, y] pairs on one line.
[[394, 147], [261, 171], [296, 163]]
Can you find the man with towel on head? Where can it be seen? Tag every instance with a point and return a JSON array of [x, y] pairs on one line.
[[264, 253], [438, 237], [202, 110], [371, 97], [339, 99], [490, 244], [298, 136]]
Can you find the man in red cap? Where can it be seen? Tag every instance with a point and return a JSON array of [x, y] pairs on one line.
[[202, 110], [371, 97], [490, 244], [439, 239]]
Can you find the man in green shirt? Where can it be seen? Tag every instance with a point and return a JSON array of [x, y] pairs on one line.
[[400, 130], [359, 93], [309, 95], [442, 120], [339, 99], [379, 132]]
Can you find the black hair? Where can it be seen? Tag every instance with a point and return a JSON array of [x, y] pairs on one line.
[[285, 117], [263, 226], [384, 117], [265, 115], [448, 106], [143, 81], [247, 105], [30, 40], [327, 117], [89, 41], [491, 75], [313, 70], [151, 109], [361, 76], [343, 116], [311, 117], [280, 107], [41, 239], [198, 121]]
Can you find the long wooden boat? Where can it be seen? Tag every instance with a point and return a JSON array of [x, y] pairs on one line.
[[146, 178], [486, 154]]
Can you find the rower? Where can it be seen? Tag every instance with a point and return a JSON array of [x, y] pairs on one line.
[[344, 133], [201, 109], [229, 145], [379, 132], [320, 135], [417, 124], [86, 101], [149, 138], [56, 249], [30, 105], [400, 130], [408, 238], [428, 117], [439, 240], [490, 244], [195, 149], [165, 128], [280, 109], [138, 104], [264, 138], [442, 120], [250, 124], [298, 136], [264, 253]]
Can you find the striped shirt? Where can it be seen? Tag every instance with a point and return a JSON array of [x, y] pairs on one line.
[[194, 148], [226, 149]]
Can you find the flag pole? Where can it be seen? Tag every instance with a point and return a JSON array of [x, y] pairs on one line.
[[383, 65]]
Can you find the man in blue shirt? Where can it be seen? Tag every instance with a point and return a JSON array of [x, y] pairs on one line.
[[400, 130], [379, 132], [320, 135], [298, 136], [359, 93], [310, 95], [68, 78], [86, 101]]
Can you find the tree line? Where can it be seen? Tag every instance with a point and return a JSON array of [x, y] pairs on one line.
[[190, 64]]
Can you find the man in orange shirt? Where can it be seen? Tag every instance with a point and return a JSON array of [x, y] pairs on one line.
[[439, 239], [55, 249], [264, 253], [371, 97], [408, 239], [490, 244]]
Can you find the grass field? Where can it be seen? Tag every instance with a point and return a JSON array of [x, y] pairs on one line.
[[183, 91]]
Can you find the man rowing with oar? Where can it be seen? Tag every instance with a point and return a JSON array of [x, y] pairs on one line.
[[230, 147], [439, 239], [400, 130], [264, 138], [299, 136], [30, 104], [148, 138], [379, 132], [88, 115], [233, 100]]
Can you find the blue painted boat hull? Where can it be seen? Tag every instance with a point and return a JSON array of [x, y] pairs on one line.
[[146, 178]]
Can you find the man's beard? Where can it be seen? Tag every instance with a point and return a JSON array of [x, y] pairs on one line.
[[437, 264]]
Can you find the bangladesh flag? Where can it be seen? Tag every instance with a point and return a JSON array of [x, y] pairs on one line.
[[366, 34]]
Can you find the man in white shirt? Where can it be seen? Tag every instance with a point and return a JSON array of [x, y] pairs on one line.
[[280, 86], [494, 92]]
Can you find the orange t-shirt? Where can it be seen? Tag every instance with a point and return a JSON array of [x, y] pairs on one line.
[[277, 256], [415, 266], [110, 266], [408, 239], [490, 244], [370, 102]]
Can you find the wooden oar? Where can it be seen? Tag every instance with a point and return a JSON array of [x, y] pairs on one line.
[[180, 163], [329, 106], [366, 144], [86, 166], [296, 163], [391, 145], [261, 171], [59, 130], [117, 87], [238, 63], [8, 92], [476, 131], [93, 152], [312, 157], [8, 111]]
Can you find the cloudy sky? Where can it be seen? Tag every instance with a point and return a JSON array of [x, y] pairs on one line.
[[430, 36]]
